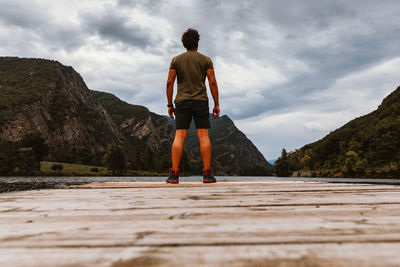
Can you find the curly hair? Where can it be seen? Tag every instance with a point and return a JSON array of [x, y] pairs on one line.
[[190, 39]]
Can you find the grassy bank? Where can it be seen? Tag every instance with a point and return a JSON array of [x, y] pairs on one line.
[[70, 169]]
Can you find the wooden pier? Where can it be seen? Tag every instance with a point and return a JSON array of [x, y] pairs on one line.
[[191, 224]]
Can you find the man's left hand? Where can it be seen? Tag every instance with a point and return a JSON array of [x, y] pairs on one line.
[[171, 112], [216, 112]]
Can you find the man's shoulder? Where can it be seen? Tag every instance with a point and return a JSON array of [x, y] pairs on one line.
[[203, 56], [179, 56]]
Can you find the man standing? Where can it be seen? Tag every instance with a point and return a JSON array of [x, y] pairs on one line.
[[191, 69]]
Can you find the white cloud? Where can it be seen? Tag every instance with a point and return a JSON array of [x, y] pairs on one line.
[[246, 75], [362, 91]]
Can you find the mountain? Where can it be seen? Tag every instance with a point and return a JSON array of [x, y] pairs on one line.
[[361, 147], [80, 125], [148, 136], [232, 152], [45, 96]]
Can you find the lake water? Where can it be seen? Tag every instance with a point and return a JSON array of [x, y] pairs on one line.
[[62, 180]]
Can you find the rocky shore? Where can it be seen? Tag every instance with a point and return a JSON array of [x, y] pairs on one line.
[[22, 186]]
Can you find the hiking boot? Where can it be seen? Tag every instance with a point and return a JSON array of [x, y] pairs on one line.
[[173, 177], [208, 176]]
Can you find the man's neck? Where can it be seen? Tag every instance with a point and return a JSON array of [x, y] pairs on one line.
[[192, 50]]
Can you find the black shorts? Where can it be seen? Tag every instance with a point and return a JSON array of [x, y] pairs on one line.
[[186, 109]]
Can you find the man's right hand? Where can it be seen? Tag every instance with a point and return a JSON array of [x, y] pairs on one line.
[[171, 112], [216, 112]]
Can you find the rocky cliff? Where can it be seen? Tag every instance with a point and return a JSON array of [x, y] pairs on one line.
[[45, 96], [148, 135]]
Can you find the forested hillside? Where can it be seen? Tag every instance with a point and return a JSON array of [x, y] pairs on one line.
[[366, 146]]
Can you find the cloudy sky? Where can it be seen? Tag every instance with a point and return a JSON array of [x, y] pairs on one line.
[[289, 71]]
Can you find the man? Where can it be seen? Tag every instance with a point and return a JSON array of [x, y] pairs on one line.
[[191, 69]]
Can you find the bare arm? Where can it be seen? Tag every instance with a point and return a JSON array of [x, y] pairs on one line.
[[170, 91], [212, 82]]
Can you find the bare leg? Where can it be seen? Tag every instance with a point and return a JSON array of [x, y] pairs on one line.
[[205, 147], [177, 148]]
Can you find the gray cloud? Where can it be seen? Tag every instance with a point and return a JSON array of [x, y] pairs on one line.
[[14, 13], [115, 27], [38, 26], [298, 15]]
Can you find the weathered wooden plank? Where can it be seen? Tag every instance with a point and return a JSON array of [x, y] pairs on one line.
[[232, 223]]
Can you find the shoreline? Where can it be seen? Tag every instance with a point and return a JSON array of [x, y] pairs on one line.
[[25, 186], [13, 184]]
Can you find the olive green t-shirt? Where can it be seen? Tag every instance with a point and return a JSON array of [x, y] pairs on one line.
[[191, 71]]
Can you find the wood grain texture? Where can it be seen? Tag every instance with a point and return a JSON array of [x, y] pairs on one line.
[[191, 224]]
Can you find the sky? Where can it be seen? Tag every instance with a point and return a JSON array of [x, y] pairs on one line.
[[289, 72]]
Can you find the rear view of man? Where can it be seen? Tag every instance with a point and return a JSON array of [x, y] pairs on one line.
[[191, 69]]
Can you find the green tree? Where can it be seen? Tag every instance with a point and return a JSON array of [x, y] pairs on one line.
[[354, 146], [397, 158], [94, 169], [305, 162], [164, 163], [86, 156], [281, 166], [312, 158], [361, 166], [116, 160], [57, 167], [350, 161], [136, 162], [294, 160], [387, 147], [8, 154], [309, 152], [37, 143], [150, 160], [26, 161]]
